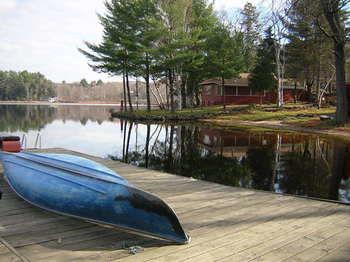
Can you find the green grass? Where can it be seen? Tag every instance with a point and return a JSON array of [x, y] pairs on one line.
[[291, 113], [186, 114], [284, 114]]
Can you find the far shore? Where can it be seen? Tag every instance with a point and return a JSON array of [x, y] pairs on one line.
[[46, 103], [87, 103]]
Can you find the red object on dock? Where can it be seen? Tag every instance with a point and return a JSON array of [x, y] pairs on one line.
[[11, 146]]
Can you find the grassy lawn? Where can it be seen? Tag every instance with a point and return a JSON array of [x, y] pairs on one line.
[[186, 114], [294, 114]]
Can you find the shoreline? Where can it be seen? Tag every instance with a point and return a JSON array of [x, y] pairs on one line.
[[278, 126], [45, 103], [35, 103], [293, 118]]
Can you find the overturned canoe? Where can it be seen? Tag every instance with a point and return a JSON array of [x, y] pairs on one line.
[[84, 189]]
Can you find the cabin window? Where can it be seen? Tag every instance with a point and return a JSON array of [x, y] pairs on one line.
[[243, 91], [230, 90]]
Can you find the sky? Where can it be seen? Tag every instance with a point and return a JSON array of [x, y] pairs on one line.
[[44, 36]]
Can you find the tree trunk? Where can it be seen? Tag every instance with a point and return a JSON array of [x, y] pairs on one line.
[[124, 92], [128, 143], [147, 86], [198, 100], [342, 92], [124, 139], [148, 93], [223, 91], [147, 146], [183, 93], [137, 93], [128, 91], [171, 90], [170, 152], [332, 11]]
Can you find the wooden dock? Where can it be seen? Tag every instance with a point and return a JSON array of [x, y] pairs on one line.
[[225, 223]]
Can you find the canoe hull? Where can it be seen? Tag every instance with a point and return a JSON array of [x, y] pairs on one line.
[[116, 204]]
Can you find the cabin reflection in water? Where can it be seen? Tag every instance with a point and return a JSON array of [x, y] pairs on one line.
[[299, 164], [288, 163]]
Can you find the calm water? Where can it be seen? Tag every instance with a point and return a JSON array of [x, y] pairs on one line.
[[284, 163]]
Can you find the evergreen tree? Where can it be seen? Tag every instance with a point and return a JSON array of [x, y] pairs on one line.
[[224, 57], [84, 82], [25, 86], [165, 39], [174, 17], [263, 76], [147, 39], [308, 49], [114, 54], [251, 30]]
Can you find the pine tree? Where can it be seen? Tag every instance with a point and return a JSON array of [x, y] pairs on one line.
[[115, 53], [192, 55], [308, 49], [150, 31], [224, 57], [263, 76], [251, 30], [84, 83]]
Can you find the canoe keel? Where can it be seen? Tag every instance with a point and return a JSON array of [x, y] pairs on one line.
[[100, 196]]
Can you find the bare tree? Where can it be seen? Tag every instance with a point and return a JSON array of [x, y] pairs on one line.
[[334, 11], [278, 11]]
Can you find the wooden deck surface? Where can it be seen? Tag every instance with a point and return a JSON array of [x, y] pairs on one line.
[[225, 223]]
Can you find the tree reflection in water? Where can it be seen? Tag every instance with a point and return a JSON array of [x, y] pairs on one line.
[[281, 162], [285, 163], [16, 117], [24, 118]]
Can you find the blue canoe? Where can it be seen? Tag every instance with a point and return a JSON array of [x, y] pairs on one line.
[[80, 188]]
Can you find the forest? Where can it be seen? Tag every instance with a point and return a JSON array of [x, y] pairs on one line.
[[181, 43], [25, 86]]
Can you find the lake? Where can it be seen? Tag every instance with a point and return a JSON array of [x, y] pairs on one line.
[[289, 163]]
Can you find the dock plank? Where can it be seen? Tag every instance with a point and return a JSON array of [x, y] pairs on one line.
[[225, 223]]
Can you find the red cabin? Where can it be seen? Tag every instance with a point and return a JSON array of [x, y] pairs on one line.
[[237, 91]]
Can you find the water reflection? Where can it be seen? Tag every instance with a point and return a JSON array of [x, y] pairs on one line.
[[25, 118], [285, 163]]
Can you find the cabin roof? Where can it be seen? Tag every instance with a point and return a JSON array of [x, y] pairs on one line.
[[241, 80]]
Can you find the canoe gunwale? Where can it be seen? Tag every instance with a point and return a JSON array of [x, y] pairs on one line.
[[59, 177], [76, 172], [74, 164]]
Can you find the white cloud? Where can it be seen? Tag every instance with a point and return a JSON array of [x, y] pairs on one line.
[[43, 35], [7, 5]]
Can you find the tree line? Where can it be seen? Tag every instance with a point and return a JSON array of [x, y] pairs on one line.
[[306, 42], [25, 86], [181, 43]]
